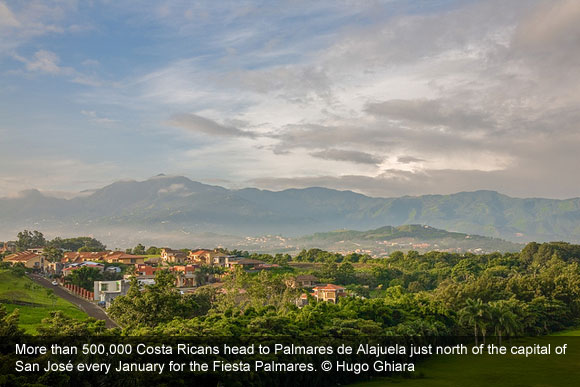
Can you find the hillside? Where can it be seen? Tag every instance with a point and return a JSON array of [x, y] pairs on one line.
[[32, 300], [180, 211], [386, 239]]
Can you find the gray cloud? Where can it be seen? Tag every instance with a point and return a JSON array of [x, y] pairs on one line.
[[409, 159], [348, 155], [203, 125], [431, 113]]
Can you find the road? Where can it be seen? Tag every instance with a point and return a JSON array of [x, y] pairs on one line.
[[88, 307]]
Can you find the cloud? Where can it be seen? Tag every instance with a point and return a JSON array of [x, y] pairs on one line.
[[431, 113], [206, 126], [94, 117], [7, 18], [409, 159], [46, 62], [348, 155]]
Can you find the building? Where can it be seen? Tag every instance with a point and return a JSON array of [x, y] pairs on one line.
[[146, 270], [75, 266], [7, 247], [328, 292], [29, 259], [173, 256], [83, 256], [185, 276], [107, 291], [203, 256], [124, 258], [302, 281], [246, 263]]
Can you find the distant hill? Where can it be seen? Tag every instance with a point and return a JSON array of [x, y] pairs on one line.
[[177, 210], [386, 239]]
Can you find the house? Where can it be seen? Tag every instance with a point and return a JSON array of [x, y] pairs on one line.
[[302, 301], [107, 291], [7, 247], [54, 268], [113, 269], [78, 257], [146, 270], [127, 259], [29, 259], [328, 292], [204, 256], [75, 266], [173, 256], [245, 263], [185, 276], [302, 281]]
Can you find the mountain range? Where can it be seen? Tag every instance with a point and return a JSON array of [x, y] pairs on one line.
[[175, 209]]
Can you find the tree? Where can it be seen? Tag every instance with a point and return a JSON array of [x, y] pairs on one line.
[[58, 324], [502, 318], [154, 304], [139, 249], [29, 239], [78, 244], [9, 322], [85, 277], [53, 254], [345, 273], [474, 314], [153, 251]]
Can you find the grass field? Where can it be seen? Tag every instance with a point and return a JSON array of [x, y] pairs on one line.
[[506, 370], [32, 300]]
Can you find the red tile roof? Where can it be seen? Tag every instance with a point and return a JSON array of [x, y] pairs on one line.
[[329, 287], [23, 256]]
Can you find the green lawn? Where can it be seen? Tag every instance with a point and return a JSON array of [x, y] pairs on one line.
[[14, 290], [506, 370]]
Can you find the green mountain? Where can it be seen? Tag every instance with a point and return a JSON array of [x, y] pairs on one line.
[[177, 210], [384, 240]]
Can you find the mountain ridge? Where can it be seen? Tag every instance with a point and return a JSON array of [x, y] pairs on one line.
[[167, 204]]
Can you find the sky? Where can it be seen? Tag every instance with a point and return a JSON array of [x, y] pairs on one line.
[[385, 98]]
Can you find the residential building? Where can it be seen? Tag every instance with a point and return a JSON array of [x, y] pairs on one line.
[[7, 247], [107, 291], [77, 257], [30, 259], [75, 266], [246, 263], [302, 281], [328, 292], [127, 259], [173, 256]]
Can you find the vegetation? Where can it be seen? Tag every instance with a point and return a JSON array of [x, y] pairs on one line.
[[31, 302], [85, 277]]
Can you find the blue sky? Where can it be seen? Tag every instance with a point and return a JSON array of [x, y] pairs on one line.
[[381, 97]]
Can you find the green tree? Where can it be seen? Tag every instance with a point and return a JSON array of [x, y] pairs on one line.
[[29, 239], [9, 322], [139, 249], [503, 319], [53, 254], [473, 314], [85, 277]]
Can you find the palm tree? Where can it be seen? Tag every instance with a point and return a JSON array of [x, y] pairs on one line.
[[473, 314], [504, 320]]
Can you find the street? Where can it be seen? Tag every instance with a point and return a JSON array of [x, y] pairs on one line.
[[88, 307]]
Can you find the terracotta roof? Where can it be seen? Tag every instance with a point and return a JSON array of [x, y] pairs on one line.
[[329, 286], [23, 256], [198, 252]]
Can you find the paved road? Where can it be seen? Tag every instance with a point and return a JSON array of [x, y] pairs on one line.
[[91, 309]]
